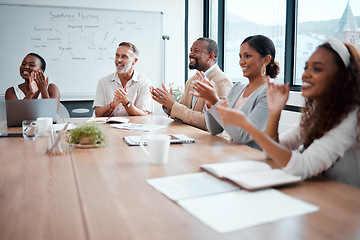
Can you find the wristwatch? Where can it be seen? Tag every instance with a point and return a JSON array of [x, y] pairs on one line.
[[128, 104]]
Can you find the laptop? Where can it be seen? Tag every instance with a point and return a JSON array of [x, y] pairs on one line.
[[30, 109]]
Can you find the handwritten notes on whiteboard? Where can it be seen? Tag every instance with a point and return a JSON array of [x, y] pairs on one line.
[[77, 44]]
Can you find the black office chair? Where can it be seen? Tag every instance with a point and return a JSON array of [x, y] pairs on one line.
[[81, 108]]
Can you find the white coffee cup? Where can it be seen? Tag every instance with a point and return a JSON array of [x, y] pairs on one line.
[[44, 125], [157, 148]]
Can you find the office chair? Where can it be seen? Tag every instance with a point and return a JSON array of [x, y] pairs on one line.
[[81, 108]]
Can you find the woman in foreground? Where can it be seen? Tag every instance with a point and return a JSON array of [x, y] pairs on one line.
[[327, 139]]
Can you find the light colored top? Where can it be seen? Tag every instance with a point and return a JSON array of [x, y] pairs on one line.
[[209, 70], [193, 114], [337, 152], [241, 101], [20, 94], [255, 109], [137, 88]]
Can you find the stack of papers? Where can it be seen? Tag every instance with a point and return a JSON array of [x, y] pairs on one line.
[[223, 206]]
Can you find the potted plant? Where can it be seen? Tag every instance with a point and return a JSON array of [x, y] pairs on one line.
[[88, 134], [178, 91]]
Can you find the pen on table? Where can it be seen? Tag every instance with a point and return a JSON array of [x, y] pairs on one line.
[[51, 148]]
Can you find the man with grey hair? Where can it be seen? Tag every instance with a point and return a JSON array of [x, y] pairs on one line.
[[124, 92]]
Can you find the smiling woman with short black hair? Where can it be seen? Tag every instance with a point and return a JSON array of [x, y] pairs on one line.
[[36, 85]]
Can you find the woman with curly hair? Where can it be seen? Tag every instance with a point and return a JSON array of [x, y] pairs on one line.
[[327, 139]]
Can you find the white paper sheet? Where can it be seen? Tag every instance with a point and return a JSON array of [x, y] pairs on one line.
[[138, 127], [190, 185], [240, 209]]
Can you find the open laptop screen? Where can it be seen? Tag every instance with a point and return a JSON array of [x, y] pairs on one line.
[[30, 109]]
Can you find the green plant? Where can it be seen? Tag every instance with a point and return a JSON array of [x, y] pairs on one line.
[[178, 91], [87, 134]]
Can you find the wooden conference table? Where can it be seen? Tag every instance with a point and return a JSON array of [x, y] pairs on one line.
[[102, 193]]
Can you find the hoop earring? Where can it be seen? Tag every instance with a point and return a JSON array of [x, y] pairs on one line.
[[263, 70]]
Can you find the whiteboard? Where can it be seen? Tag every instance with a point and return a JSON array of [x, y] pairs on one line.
[[78, 44]]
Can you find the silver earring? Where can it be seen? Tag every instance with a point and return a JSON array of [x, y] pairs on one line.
[[263, 70]]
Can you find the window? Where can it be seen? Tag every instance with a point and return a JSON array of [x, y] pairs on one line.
[[245, 18], [310, 46], [314, 26], [316, 21], [214, 19]]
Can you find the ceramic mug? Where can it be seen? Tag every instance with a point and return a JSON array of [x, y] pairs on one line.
[[157, 147], [44, 126]]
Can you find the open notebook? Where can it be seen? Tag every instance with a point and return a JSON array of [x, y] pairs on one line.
[[251, 175]]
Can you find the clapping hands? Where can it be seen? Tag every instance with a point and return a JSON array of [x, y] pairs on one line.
[[230, 116], [120, 96], [38, 82], [204, 88], [163, 96], [277, 96]]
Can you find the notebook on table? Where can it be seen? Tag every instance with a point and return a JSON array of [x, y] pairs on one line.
[[174, 139], [250, 175], [30, 109]]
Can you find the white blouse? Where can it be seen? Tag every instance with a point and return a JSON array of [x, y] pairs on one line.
[[20, 94], [337, 152]]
